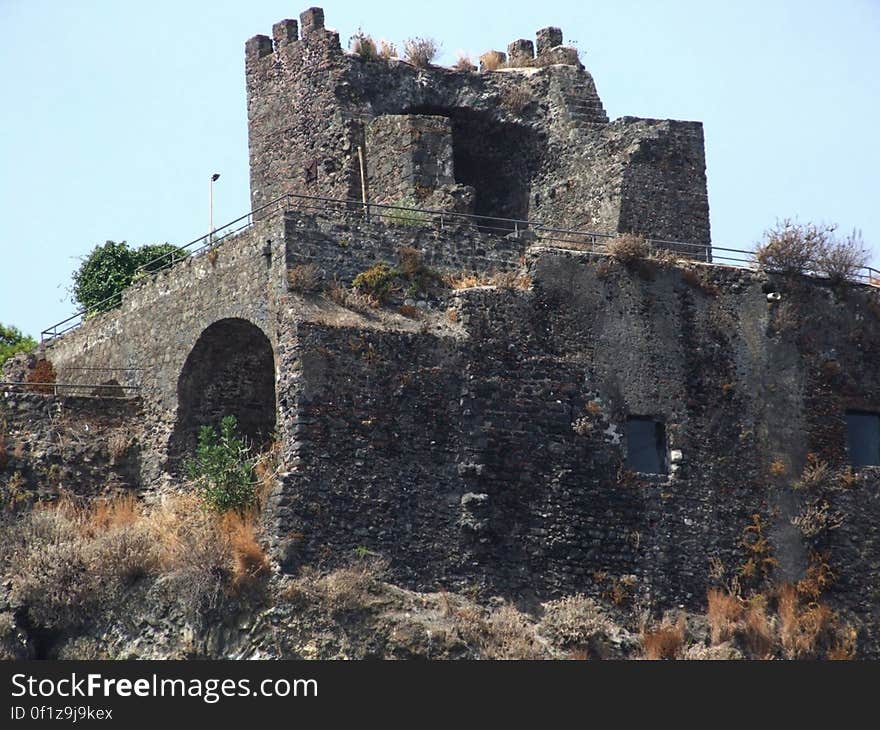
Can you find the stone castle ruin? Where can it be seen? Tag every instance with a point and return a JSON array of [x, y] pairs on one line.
[[573, 425]]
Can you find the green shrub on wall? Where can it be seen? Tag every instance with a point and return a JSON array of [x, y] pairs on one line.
[[223, 469]]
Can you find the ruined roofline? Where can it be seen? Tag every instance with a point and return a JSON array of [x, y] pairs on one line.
[[310, 32]]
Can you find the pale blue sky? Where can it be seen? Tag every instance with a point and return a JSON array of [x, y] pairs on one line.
[[115, 114]]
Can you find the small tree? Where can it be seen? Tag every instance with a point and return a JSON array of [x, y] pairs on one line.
[[223, 469], [110, 268], [13, 341]]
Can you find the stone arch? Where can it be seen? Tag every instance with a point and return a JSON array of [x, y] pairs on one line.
[[229, 371]]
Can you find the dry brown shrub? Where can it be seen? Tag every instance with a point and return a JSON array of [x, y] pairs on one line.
[[117, 444], [492, 61], [250, 563], [511, 636], [515, 99], [354, 587], [815, 476], [387, 50], [304, 279], [758, 630], [363, 45], [818, 578], [628, 248], [840, 260], [724, 613], [410, 260], [816, 517], [778, 468], [41, 374], [500, 279], [420, 51], [664, 642], [577, 621], [464, 63], [791, 248]]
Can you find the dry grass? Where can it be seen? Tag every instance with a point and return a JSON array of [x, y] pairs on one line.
[[68, 562], [420, 51], [815, 476], [351, 298], [801, 628], [387, 50], [410, 260], [778, 468], [577, 622], [516, 99], [664, 642], [501, 279], [363, 45], [627, 248], [117, 444], [304, 279], [724, 613], [354, 587], [492, 61], [758, 630], [464, 63]]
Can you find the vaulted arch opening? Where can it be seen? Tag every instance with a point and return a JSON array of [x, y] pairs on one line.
[[230, 371]]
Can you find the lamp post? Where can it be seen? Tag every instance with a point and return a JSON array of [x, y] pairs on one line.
[[214, 178]]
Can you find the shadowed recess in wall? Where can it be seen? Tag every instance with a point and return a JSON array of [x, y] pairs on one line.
[[230, 371], [498, 159]]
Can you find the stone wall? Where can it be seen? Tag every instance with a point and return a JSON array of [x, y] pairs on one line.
[[496, 458], [53, 445], [148, 338], [343, 246]]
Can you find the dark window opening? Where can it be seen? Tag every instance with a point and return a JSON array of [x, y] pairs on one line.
[[645, 445], [863, 438]]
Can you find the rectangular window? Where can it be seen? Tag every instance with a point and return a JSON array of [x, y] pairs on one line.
[[863, 438], [646, 445]]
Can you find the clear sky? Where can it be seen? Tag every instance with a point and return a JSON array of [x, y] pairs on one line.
[[115, 114]]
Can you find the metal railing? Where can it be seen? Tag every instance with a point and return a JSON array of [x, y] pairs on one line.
[[422, 218], [94, 390]]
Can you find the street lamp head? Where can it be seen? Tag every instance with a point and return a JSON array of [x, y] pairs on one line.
[[215, 176]]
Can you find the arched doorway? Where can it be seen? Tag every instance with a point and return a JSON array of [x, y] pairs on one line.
[[230, 371]]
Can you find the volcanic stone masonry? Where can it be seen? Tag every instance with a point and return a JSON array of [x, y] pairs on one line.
[[487, 437]]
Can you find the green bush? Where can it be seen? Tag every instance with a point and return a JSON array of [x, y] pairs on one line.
[[405, 212], [104, 274], [376, 281], [223, 469]]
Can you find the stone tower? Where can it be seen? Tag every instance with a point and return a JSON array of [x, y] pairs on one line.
[[529, 140]]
